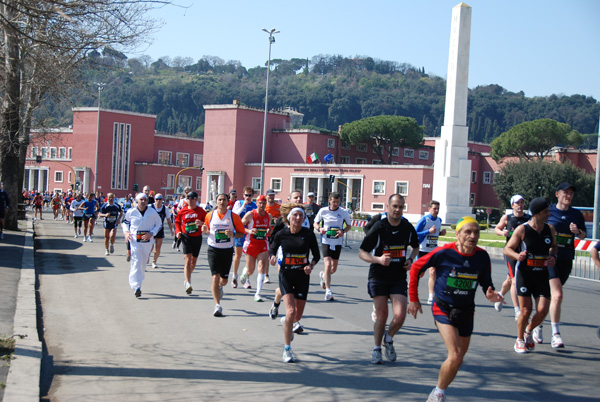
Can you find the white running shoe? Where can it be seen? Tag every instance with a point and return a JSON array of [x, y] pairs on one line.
[[390, 351], [247, 285], [90, 239], [218, 311], [520, 346], [84, 239], [376, 357], [106, 252], [234, 281], [498, 306], [430, 300], [529, 343], [297, 328], [244, 277], [322, 280], [538, 337], [188, 287], [274, 312], [75, 236], [288, 356], [433, 397], [557, 342], [257, 298], [329, 295], [267, 280], [154, 265]]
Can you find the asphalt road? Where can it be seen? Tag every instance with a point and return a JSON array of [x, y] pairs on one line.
[[103, 344]]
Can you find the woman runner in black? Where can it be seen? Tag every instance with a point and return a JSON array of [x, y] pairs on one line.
[[294, 272]]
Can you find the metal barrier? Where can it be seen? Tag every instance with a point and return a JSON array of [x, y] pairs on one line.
[[356, 223], [583, 266]]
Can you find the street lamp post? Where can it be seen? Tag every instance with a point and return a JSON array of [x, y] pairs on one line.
[[100, 88], [264, 140]]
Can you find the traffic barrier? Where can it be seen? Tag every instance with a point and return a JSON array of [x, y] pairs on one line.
[[583, 266], [584, 245], [358, 223]]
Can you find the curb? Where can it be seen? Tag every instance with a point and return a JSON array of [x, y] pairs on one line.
[[23, 381]]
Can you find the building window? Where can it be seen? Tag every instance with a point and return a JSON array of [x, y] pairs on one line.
[[409, 153], [330, 142], [402, 188], [377, 162], [379, 187], [256, 184], [395, 151], [345, 145], [62, 153], [183, 159], [120, 156], [34, 152], [53, 153], [361, 147], [197, 159], [198, 183], [70, 177], [183, 182], [377, 206], [473, 176], [344, 159], [58, 176], [276, 184], [472, 199], [70, 153], [377, 148], [44, 153], [394, 163], [487, 177], [171, 180], [164, 157], [424, 155], [361, 161]]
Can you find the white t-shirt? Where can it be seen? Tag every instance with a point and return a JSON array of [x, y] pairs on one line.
[[333, 221]]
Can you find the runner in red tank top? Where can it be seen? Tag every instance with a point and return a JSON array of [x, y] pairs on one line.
[[257, 223]]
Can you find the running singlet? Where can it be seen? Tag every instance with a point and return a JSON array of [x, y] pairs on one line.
[[428, 241], [512, 222], [261, 223], [185, 221], [295, 248], [383, 238], [537, 246], [274, 211], [113, 210], [456, 274], [218, 225], [561, 220], [311, 212], [164, 212], [333, 222]]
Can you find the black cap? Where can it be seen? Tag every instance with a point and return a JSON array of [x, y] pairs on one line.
[[192, 194], [232, 191], [537, 205], [565, 186], [270, 192]]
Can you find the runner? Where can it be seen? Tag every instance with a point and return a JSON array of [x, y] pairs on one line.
[[272, 209], [311, 208], [77, 214], [460, 266], [4, 205], [188, 228], [38, 203], [232, 199], [140, 225], [296, 242], [55, 205], [506, 227], [385, 247], [594, 253], [429, 228], [533, 246], [66, 207], [568, 222], [149, 194], [221, 225], [257, 223], [165, 214], [241, 208], [330, 223], [112, 214], [90, 206]]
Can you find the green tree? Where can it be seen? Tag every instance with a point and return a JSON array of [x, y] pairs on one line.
[[535, 138], [535, 178], [384, 133]]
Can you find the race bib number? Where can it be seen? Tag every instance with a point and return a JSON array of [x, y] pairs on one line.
[[261, 234], [332, 232], [295, 260], [564, 240], [537, 262], [309, 213], [432, 241], [191, 227], [396, 253], [111, 219], [139, 239], [221, 236], [461, 284]]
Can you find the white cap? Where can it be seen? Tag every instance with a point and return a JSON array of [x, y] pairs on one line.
[[516, 198]]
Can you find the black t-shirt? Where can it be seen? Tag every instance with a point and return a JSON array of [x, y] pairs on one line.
[[311, 212], [295, 247], [385, 238]]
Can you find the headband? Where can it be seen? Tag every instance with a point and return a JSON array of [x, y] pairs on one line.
[[140, 196], [463, 221], [296, 210]]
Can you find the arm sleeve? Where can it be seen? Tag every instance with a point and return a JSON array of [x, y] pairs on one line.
[[126, 222], [485, 274], [274, 245], [415, 272], [237, 207], [178, 223]]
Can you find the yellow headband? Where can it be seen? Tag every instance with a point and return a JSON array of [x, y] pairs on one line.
[[463, 221]]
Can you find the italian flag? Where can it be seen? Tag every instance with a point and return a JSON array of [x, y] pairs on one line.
[[312, 158]]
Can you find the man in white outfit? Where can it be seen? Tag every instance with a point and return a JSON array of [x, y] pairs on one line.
[[140, 225]]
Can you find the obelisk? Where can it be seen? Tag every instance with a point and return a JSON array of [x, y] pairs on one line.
[[452, 167]]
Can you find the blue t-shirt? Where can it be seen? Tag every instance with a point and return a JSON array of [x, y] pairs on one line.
[[90, 207], [561, 220]]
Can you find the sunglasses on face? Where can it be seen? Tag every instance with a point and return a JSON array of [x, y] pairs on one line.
[[247, 195]]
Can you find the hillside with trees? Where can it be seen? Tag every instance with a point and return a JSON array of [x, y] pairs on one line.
[[329, 90]]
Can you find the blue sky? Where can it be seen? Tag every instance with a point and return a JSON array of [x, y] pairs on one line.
[[539, 47]]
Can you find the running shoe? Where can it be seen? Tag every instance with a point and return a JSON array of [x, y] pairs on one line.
[[188, 287], [557, 342], [257, 298], [174, 246], [433, 397], [376, 357], [106, 252], [288, 356], [154, 265], [234, 282], [75, 236], [498, 306], [297, 328], [274, 312], [247, 285], [84, 239], [520, 346], [529, 343], [374, 314], [329, 295], [138, 292], [267, 280], [90, 239], [430, 299], [322, 279], [390, 351], [128, 258], [79, 231], [538, 337], [112, 248], [244, 278], [218, 311]]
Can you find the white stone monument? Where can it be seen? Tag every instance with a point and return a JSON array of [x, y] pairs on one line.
[[452, 167]]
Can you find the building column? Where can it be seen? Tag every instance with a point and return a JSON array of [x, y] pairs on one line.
[[319, 190], [335, 184], [221, 183], [30, 184], [349, 193], [86, 181], [305, 182]]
